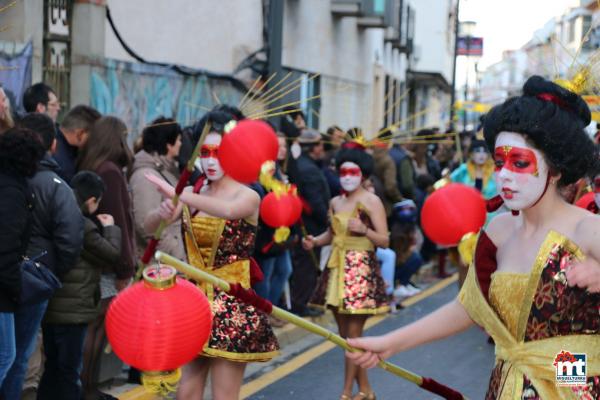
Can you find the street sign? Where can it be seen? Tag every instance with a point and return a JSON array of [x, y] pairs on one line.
[[470, 46]]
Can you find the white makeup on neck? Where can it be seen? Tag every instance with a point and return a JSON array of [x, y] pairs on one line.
[[209, 157], [521, 171], [350, 176]]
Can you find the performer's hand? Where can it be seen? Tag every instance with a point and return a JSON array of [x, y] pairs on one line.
[[585, 274], [357, 227], [376, 348], [163, 187], [308, 242], [166, 210], [106, 219]]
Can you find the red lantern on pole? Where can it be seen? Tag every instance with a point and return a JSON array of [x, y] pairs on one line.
[[452, 212], [158, 325], [281, 210], [244, 150]]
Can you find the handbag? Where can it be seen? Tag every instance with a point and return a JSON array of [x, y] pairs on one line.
[[38, 283]]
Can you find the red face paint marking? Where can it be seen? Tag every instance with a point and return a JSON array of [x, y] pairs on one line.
[[516, 159], [352, 171], [209, 151]]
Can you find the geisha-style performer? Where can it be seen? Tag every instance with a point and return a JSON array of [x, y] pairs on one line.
[[519, 289], [220, 231], [352, 285]]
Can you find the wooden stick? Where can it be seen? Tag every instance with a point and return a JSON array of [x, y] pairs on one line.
[[241, 104], [257, 91]]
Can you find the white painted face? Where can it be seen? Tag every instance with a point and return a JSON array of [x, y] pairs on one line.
[[350, 176], [208, 157], [479, 156], [521, 171]]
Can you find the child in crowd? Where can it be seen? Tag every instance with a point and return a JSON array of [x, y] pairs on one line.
[[77, 303]]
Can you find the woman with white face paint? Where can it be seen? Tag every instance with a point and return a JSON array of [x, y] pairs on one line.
[[220, 228], [534, 283], [478, 171], [352, 285]]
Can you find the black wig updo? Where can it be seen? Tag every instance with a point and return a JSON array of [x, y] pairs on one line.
[[358, 157], [218, 117], [553, 119]]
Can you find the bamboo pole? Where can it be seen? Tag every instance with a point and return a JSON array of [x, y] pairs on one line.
[[202, 276]]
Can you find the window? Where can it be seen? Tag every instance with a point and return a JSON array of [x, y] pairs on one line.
[[571, 37]]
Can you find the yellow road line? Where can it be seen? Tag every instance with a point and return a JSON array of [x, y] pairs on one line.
[[297, 362]]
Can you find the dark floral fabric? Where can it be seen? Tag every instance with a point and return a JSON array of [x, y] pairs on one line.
[[364, 288], [240, 332], [236, 242], [557, 310]]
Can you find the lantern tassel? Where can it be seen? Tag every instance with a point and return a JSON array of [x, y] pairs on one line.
[[162, 383], [466, 247], [281, 234]]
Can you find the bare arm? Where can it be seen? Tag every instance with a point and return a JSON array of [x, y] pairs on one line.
[[586, 274], [244, 205], [379, 235], [446, 321]]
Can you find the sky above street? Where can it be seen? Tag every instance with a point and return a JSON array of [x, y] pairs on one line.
[[509, 24]]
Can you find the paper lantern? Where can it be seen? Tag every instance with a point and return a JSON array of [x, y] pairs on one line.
[[281, 210], [452, 212], [244, 150], [585, 201], [158, 325]]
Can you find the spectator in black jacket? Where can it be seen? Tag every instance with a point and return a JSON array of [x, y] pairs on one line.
[[78, 302], [57, 229], [20, 151], [314, 190], [274, 258]]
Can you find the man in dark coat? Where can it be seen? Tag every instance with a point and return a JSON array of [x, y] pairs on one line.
[[314, 190], [57, 230]]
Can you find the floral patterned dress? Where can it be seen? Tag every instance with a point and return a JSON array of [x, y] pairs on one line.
[[532, 318], [223, 248], [352, 282]]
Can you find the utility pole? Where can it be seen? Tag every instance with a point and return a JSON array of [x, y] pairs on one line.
[[275, 42], [453, 92]]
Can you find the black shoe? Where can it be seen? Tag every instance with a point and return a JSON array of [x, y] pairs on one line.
[[134, 376]]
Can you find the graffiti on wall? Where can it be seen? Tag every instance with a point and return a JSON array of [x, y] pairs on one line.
[[139, 93], [15, 72]]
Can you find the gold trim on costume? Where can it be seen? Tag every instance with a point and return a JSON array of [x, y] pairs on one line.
[[533, 358], [553, 239], [240, 357]]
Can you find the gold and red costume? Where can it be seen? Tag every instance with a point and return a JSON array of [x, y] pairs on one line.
[[351, 282], [223, 248], [533, 317]]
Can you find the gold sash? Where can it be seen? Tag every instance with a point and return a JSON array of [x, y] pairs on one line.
[[342, 242], [534, 358]]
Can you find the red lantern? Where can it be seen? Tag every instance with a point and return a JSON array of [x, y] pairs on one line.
[[586, 201], [280, 209], [158, 325], [244, 150], [451, 212]]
